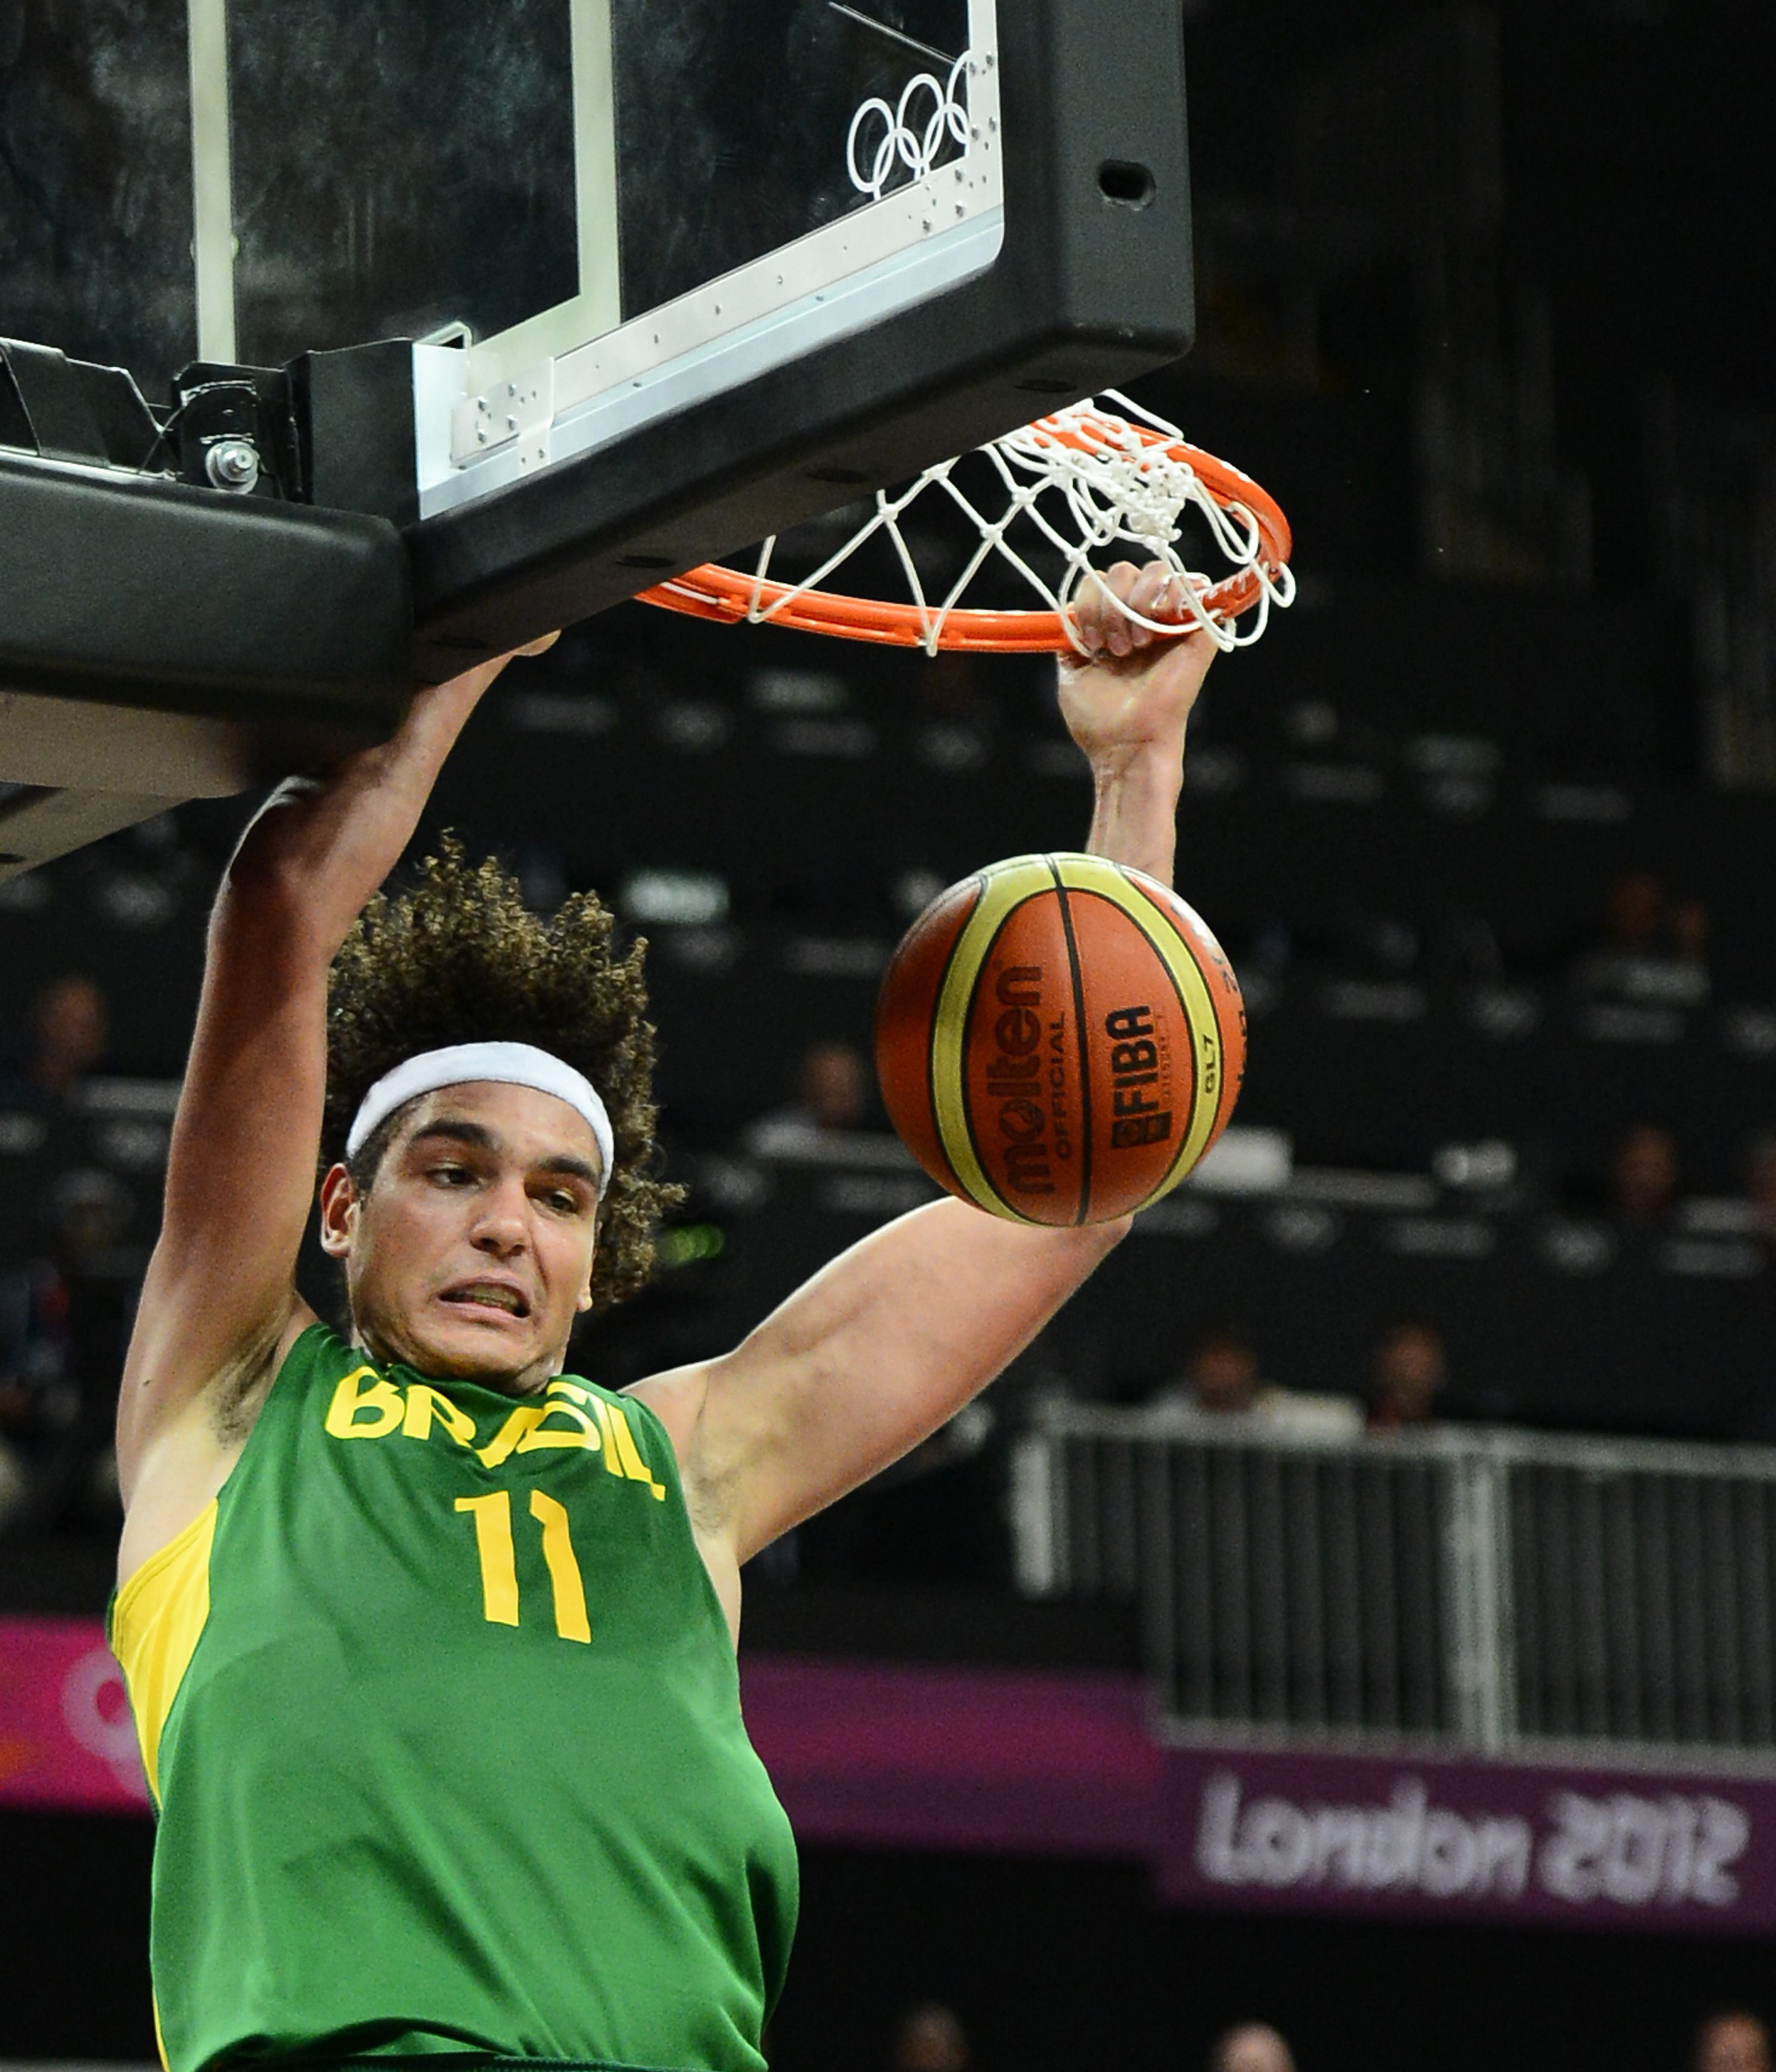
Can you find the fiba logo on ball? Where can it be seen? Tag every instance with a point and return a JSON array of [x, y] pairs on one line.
[[1133, 1063], [1060, 1039]]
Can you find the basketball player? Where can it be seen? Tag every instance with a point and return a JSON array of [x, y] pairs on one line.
[[430, 1647]]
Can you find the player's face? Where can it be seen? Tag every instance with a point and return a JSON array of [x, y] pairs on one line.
[[472, 1252]]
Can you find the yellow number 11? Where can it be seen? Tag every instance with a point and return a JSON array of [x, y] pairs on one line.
[[492, 1516]]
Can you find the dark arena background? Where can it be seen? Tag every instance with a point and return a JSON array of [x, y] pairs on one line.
[[1356, 1613]]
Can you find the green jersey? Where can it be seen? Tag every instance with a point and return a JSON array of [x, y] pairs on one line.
[[442, 1717]]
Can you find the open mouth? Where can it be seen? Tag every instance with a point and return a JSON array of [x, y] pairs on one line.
[[489, 1295]]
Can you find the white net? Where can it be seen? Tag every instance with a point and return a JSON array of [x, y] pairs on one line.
[[1097, 484]]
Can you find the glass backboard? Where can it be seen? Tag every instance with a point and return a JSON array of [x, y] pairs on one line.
[[660, 276], [391, 169], [693, 185], [535, 172], [96, 181]]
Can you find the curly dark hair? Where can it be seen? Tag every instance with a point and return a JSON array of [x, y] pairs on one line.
[[461, 958]]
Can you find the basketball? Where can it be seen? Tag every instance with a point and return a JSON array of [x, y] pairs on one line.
[[1059, 1039]]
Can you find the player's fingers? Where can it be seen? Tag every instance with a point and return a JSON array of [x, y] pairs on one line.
[[1150, 596], [1087, 611], [1094, 609], [1120, 632], [1123, 578], [1171, 603]]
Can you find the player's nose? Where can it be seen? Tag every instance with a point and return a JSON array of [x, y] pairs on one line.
[[500, 1225]]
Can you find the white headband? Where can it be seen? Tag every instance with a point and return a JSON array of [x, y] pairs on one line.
[[506, 1064]]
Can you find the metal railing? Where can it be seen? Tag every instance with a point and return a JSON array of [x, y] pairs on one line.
[[1495, 1592]]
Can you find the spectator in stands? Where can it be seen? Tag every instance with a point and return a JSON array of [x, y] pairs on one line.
[[40, 1256], [43, 1123], [1690, 929], [37, 1400], [70, 1025], [830, 1113], [1760, 1191], [1732, 2041], [1254, 2046], [1632, 910], [1221, 1374], [40, 1093], [1653, 952], [1221, 1378], [1410, 1370], [930, 2038], [834, 1085], [1643, 1176]]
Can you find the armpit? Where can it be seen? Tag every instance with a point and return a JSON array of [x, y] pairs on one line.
[[237, 1395]]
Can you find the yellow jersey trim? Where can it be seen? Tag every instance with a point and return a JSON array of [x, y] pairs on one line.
[[159, 1617]]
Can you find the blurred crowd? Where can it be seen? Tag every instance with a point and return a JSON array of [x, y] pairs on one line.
[[1221, 1378], [82, 1146], [68, 1270], [930, 2036], [79, 1157]]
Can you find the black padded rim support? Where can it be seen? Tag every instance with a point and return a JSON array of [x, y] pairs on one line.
[[70, 409], [292, 624], [1092, 288]]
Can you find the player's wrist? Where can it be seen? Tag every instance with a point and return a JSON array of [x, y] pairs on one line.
[[1154, 762]]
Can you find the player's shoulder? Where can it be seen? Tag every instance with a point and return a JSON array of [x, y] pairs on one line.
[[675, 1400], [582, 1384], [179, 1465]]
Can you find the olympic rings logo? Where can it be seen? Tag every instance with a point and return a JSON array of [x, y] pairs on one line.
[[905, 139]]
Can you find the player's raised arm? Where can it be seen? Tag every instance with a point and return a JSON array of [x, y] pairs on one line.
[[1128, 708], [890, 1341], [219, 1302]]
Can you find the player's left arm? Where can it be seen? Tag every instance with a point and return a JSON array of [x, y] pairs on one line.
[[888, 1342]]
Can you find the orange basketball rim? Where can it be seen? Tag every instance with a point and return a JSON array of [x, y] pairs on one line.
[[1129, 459]]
